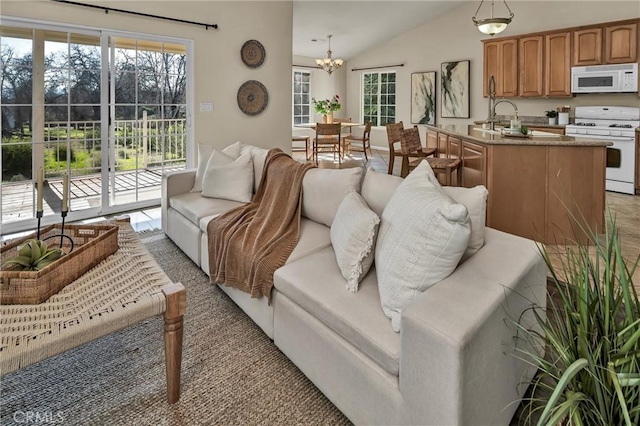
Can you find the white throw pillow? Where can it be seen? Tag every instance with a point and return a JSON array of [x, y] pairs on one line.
[[204, 154], [475, 200], [258, 156], [324, 189], [353, 236], [228, 178], [377, 189], [423, 234]]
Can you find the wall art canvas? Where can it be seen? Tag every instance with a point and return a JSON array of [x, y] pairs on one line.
[[423, 98], [455, 89]]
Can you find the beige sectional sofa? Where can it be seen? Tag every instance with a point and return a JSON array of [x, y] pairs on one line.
[[453, 361]]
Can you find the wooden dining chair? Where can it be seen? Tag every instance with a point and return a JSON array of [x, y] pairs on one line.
[[365, 139], [328, 136], [410, 144], [395, 132]]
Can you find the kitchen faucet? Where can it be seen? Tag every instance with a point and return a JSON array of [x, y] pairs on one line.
[[493, 103]]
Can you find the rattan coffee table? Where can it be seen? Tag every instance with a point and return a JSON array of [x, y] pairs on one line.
[[125, 288]]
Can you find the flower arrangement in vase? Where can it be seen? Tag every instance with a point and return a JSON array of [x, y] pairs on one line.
[[551, 115], [327, 107]]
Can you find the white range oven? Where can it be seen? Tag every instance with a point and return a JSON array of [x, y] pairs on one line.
[[617, 125]]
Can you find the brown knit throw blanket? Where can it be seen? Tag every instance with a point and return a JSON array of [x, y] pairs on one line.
[[248, 243]]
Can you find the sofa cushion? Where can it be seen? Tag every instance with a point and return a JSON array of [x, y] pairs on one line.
[[204, 153], [228, 178], [324, 189], [313, 237], [423, 234], [315, 283], [194, 206], [353, 237], [377, 189]]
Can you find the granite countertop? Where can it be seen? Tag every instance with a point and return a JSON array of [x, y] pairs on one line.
[[526, 123], [488, 137]]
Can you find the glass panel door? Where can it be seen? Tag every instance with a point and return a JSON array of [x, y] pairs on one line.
[[50, 120], [147, 132]]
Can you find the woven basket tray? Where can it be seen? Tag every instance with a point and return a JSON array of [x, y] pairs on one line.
[[92, 244]]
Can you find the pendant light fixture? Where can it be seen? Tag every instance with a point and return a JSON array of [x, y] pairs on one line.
[[329, 64], [492, 25]]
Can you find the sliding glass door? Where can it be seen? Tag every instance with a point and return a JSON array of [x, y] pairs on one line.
[[108, 110], [148, 131]]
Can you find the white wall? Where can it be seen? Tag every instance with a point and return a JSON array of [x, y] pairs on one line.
[[453, 37], [218, 68]]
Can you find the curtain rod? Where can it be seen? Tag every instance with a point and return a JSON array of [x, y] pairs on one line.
[[146, 15], [306, 66], [373, 68]]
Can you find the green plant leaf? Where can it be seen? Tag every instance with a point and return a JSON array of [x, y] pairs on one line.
[[566, 378]]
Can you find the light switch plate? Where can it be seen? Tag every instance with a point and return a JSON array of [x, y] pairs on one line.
[[206, 106]]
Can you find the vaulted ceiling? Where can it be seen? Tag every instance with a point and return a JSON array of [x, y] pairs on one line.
[[357, 26]]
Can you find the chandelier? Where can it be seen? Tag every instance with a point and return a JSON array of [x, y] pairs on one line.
[[491, 26], [329, 64]]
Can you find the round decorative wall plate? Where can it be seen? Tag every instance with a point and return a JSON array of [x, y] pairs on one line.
[[252, 97], [252, 53]]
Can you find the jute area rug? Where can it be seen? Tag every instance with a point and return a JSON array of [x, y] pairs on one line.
[[231, 372]]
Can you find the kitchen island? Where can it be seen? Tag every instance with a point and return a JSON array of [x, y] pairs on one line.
[[544, 187]]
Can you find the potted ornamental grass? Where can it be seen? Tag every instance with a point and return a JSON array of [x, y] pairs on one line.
[[552, 115], [586, 344], [327, 107]]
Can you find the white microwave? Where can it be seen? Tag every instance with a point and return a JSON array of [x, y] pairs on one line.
[[620, 78]]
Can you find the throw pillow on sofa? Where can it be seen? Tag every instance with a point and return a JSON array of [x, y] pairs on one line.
[[204, 154], [228, 178], [423, 234], [324, 189], [353, 237], [377, 189]]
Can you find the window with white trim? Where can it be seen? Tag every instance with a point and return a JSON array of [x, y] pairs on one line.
[[301, 97], [379, 97]]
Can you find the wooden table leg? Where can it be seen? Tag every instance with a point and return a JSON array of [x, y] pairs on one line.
[[176, 297]]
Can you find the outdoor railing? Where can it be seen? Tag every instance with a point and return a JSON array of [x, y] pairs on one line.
[[138, 144]]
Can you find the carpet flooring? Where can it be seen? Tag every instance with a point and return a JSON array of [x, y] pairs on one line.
[[232, 374]]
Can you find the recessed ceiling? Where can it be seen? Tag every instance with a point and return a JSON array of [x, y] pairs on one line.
[[357, 26]]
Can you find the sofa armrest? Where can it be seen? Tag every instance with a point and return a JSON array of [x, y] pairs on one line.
[[174, 183], [458, 337]]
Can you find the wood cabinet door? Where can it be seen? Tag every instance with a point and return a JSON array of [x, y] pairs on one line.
[[620, 44], [455, 147], [443, 145], [531, 66], [491, 66], [474, 164], [432, 139], [587, 47], [508, 59], [557, 64]]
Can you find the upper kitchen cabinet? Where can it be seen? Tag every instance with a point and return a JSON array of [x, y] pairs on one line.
[[501, 62], [587, 47], [607, 44], [530, 65], [557, 64], [620, 44]]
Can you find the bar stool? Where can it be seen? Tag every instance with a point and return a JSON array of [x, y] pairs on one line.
[[307, 142], [442, 165]]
